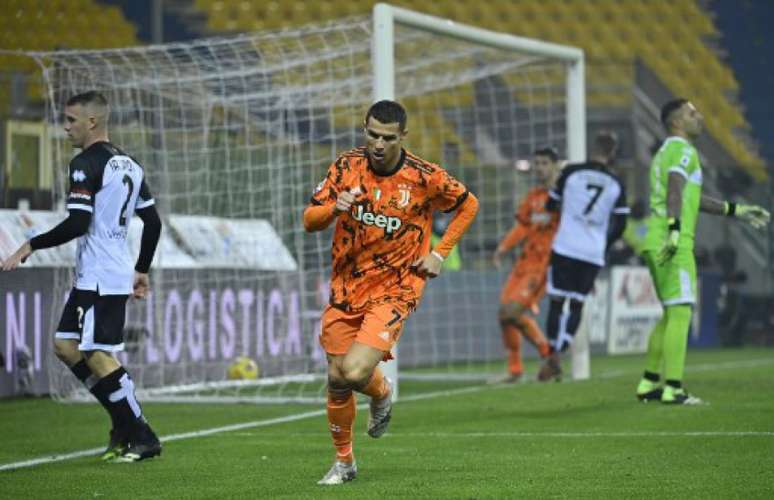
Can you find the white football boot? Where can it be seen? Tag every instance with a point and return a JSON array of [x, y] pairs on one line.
[[340, 473]]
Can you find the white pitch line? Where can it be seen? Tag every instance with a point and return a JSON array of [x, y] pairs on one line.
[[453, 392], [226, 428], [50, 459]]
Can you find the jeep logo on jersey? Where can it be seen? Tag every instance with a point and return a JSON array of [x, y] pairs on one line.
[[389, 224]]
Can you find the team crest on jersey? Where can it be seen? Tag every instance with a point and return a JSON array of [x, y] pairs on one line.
[[377, 193], [79, 176], [405, 197]]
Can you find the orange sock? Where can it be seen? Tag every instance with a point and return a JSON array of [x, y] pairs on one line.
[[512, 341], [377, 387], [534, 334], [341, 418]]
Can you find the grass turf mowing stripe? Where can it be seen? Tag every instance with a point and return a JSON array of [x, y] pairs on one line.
[[418, 397], [226, 428]]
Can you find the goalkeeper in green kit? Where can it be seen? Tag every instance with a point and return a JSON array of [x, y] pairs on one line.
[[675, 202]]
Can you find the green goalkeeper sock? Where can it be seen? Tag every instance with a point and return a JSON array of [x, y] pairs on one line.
[[648, 383], [676, 340], [645, 386], [654, 358]]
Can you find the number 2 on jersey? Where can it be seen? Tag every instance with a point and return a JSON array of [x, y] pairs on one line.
[[122, 218], [597, 191]]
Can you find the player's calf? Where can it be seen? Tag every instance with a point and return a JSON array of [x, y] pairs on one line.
[[380, 413], [551, 369]]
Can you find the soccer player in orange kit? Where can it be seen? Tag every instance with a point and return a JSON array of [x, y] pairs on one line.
[[534, 230], [382, 199]]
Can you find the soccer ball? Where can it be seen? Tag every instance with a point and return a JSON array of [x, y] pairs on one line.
[[243, 368]]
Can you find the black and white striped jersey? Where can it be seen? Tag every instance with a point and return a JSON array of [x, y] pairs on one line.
[[111, 185], [589, 195]]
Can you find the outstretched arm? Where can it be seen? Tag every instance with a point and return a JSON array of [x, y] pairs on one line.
[[711, 205], [76, 224], [754, 215], [758, 217]]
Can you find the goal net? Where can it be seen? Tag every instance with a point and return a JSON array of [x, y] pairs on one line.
[[236, 132]]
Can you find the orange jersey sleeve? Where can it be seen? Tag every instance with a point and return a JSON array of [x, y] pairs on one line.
[[458, 225], [517, 233], [319, 217], [329, 188], [446, 192]]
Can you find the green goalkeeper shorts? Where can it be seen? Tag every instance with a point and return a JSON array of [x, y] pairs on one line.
[[675, 280]]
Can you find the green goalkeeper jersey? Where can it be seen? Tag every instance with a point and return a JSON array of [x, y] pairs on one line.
[[675, 155]]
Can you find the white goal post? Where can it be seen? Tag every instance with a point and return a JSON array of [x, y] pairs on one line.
[[385, 17]]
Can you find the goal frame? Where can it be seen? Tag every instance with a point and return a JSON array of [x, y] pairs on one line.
[[386, 16]]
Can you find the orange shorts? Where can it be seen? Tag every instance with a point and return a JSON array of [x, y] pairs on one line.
[[378, 326], [526, 288]]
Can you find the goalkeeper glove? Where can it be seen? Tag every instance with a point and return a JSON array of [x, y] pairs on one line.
[[754, 215], [670, 245]]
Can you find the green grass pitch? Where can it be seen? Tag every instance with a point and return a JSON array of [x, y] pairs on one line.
[[588, 439]]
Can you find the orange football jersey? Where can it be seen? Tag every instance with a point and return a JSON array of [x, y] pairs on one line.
[[387, 228], [539, 226]]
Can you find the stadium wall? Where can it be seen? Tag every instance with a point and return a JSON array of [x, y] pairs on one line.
[[198, 331]]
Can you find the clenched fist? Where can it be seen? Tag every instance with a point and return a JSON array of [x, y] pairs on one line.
[[345, 200]]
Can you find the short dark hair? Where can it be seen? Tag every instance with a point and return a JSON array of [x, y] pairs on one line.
[[669, 108], [606, 143], [90, 97], [548, 151], [388, 112]]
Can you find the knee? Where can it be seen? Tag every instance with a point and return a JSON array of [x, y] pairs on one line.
[[502, 313], [510, 312], [356, 374], [335, 379], [101, 363], [67, 351]]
